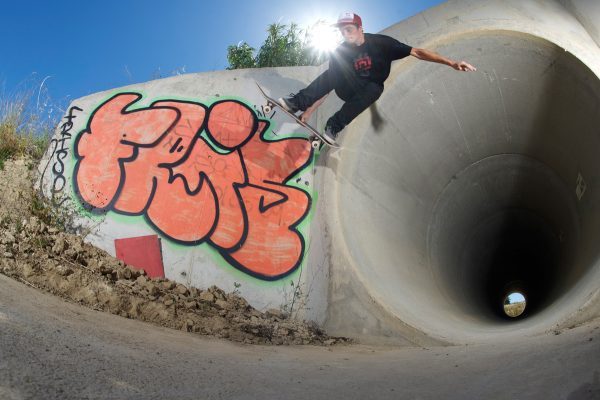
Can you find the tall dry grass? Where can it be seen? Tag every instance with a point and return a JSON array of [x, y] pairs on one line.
[[26, 124]]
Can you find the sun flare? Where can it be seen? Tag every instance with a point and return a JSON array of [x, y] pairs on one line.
[[324, 37]]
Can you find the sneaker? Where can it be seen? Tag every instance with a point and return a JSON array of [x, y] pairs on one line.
[[288, 104], [329, 135]]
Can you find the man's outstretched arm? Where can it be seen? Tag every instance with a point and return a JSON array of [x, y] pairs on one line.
[[428, 55]]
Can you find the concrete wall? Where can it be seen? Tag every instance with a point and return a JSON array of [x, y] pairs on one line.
[[198, 160], [390, 237]]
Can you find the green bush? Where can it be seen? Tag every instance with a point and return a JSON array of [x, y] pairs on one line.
[[285, 46]]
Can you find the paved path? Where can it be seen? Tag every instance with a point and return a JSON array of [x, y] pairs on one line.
[[50, 349]]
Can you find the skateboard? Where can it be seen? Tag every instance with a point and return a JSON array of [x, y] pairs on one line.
[[316, 139]]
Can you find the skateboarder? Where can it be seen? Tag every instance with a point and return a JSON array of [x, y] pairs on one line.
[[357, 70]]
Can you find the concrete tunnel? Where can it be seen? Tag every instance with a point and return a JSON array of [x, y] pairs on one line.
[[468, 189], [461, 188], [450, 192]]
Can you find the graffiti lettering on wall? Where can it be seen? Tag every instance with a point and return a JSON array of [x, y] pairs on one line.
[[199, 175], [59, 146]]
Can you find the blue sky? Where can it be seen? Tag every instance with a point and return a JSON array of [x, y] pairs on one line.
[[88, 46]]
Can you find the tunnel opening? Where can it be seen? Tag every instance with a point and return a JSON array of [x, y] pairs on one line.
[[523, 254], [514, 304], [520, 253], [478, 184], [506, 222]]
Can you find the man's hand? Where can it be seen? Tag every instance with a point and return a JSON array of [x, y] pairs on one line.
[[310, 110], [463, 66], [305, 116]]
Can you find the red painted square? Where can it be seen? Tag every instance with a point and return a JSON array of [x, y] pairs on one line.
[[142, 252]]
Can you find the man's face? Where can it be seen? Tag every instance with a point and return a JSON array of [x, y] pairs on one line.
[[351, 34]]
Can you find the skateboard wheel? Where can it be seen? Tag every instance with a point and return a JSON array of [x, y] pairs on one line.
[[316, 143], [267, 109]]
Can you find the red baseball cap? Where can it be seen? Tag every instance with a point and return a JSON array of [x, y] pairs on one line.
[[347, 18]]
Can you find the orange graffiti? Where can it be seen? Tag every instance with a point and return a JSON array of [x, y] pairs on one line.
[[227, 187]]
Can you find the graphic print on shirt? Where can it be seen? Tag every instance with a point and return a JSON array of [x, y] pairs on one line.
[[362, 65]]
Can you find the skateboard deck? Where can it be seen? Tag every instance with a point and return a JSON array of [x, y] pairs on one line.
[[315, 137]]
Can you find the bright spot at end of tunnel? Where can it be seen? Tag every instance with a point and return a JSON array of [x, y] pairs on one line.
[[514, 304]]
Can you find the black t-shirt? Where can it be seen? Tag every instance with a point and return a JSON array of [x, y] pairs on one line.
[[353, 65]]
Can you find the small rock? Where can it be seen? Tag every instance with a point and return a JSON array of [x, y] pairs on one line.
[[207, 296], [64, 270], [123, 273], [8, 238], [135, 272], [33, 225], [168, 285], [152, 289], [59, 245], [283, 332], [25, 247], [8, 254], [219, 293], [222, 304], [92, 263], [169, 302], [329, 342], [190, 305], [141, 280], [28, 271], [112, 275], [180, 289], [76, 242]]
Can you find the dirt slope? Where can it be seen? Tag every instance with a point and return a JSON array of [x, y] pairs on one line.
[[36, 252]]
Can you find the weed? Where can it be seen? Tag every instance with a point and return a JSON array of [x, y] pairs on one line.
[[42, 242], [237, 286], [47, 212]]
